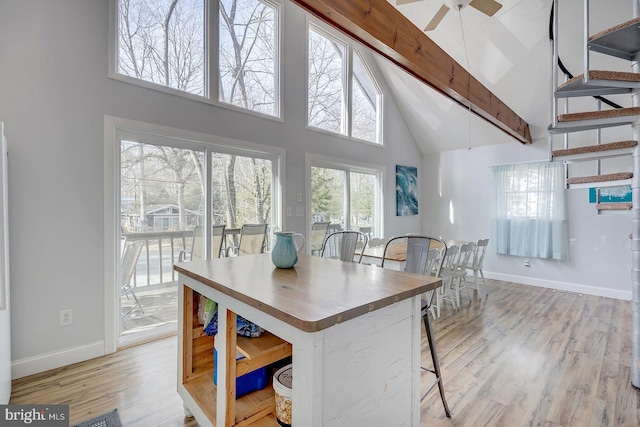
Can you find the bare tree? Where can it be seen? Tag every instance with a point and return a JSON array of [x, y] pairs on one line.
[[162, 41]]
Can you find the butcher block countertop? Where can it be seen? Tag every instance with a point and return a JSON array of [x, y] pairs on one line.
[[314, 295]]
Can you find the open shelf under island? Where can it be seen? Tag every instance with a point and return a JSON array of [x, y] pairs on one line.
[[353, 332]]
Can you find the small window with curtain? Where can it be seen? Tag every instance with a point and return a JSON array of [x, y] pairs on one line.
[[530, 214]]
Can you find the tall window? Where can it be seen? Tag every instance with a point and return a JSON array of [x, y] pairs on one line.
[[326, 82], [165, 43], [530, 218], [365, 97], [348, 196], [342, 95], [248, 55]]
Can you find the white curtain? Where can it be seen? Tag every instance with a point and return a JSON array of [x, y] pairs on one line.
[[530, 213]]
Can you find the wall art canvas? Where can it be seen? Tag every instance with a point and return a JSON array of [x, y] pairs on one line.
[[406, 190], [611, 194]]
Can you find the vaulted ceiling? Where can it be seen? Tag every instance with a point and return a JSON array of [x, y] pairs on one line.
[[509, 53], [475, 80]]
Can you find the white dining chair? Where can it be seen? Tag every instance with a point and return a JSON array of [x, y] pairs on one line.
[[445, 292], [475, 265], [459, 271]]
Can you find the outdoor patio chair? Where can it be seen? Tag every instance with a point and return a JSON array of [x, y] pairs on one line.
[[319, 231], [197, 244], [129, 260], [252, 239]]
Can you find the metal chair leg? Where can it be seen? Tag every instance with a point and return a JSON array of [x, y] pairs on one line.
[[436, 364]]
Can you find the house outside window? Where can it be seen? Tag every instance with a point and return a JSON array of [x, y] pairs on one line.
[[529, 210]]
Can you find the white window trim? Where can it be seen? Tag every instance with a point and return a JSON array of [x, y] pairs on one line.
[[350, 45], [211, 56], [116, 129], [316, 160], [366, 64]]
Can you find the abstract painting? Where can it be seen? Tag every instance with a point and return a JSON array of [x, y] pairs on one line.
[[406, 190]]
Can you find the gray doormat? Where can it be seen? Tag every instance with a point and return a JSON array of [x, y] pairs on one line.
[[110, 419]]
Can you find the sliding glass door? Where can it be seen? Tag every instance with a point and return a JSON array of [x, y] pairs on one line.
[[346, 195], [170, 190]]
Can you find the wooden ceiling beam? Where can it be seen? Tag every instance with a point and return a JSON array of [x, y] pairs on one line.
[[379, 25]]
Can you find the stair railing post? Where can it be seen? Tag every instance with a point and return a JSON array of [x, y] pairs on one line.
[[585, 77], [554, 81], [635, 242]]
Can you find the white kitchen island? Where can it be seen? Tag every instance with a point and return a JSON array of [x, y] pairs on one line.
[[353, 332]]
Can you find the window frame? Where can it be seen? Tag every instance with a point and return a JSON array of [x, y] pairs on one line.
[[540, 234], [316, 160], [347, 81], [119, 129], [211, 59]]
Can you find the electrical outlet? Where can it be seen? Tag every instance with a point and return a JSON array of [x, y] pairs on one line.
[[66, 317], [299, 211]]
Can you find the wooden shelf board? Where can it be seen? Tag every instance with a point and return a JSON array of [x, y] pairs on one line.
[[261, 351], [260, 403]]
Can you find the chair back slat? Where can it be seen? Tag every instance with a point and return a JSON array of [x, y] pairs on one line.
[[342, 245]]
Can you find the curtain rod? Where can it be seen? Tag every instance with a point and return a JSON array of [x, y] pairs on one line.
[[519, 163]]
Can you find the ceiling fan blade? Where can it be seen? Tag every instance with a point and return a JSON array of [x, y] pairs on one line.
[[401, 2], [488, 7], [437, 18]]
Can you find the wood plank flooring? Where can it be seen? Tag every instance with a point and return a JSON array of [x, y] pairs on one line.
[[523, 356]]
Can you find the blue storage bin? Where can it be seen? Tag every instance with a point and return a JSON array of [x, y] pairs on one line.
[[251, 381]]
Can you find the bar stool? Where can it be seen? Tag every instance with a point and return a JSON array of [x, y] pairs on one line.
[[418, 261]]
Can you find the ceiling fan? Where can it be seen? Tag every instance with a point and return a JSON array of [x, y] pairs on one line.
[[488, 7]]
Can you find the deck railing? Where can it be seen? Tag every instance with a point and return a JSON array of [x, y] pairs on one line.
[[161, 250]]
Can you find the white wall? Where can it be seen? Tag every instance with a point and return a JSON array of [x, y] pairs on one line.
[[600, 251], [55, 95]]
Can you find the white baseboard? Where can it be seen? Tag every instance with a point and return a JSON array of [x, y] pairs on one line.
[[56, 359], [562, 286]]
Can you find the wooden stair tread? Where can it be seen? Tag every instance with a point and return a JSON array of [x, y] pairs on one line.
[[600, 178], [620, 206], [605, 114], [627, 24], [595, 148], [622, 41], [604, 75]]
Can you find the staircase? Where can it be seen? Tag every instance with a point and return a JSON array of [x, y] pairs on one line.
[[621, 41]]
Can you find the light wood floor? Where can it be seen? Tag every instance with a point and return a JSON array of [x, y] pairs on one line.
[[523, 356]]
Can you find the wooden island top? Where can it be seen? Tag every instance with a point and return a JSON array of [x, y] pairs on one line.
[[314, 295]]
